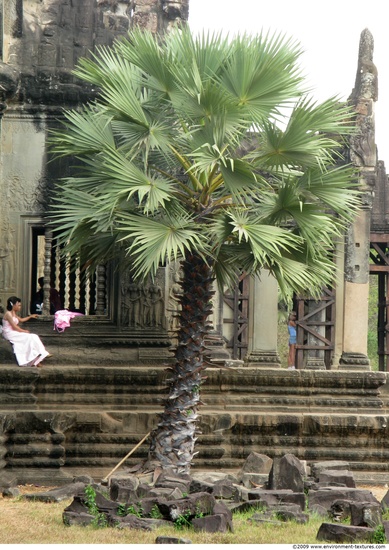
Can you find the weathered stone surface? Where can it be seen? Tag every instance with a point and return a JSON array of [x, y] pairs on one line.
[[172, 540], [134, 522], [125, 480], [10, 492], [260, 497], [366, 514], [287, 473], [225, 489], [290, 512], [344, 477], [58, 494], [211, 524], [318, 467], [331, 532], [340, 510], [321, 501], [385, 502], [167, 493], [257, 463], [250, 480], [200, 486], [194, 504], [171, 480], [77, 514]]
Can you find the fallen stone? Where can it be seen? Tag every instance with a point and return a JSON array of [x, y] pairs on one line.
[[77, 514], [83, 478], [322, 500], [200, 486], [122, 494], [290, 512], [385, 502], [77, 518], [340, 510], [213, 477], [287, 472], [331, 532], [172, 480], [216, 523], [58, 494], [366, 514], [134, 522], [251, 480], [225, 489], [124, 480], [337, 476], [192, 505], [167, 493], [317, 467], [172, 540], [280, 496], [10, 492], [256, 463]]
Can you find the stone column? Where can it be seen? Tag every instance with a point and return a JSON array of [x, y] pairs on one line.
[[356, 294], [363, 154], [263, 322]]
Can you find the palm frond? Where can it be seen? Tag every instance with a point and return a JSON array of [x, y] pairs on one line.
[[153, 242], [85, 133]]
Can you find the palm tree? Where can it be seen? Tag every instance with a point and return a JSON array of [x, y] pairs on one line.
[[208, 151]]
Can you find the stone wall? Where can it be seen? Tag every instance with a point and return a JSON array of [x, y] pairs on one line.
[[67, 420]]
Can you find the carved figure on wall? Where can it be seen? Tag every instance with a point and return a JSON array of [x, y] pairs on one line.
[[174, 302], [131, 304], [6, 264], [156, 303]]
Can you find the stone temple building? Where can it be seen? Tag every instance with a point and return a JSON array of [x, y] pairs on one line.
[[99, 395]]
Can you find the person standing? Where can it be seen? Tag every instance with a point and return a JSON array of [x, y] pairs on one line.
[[28, 348], [292, 339]]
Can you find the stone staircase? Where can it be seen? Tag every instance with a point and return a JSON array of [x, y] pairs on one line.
[[92, 403]]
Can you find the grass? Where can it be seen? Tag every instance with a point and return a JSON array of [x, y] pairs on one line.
[[33, 522]]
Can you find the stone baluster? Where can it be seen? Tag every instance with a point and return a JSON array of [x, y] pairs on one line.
[[100, 290], [47, 273]]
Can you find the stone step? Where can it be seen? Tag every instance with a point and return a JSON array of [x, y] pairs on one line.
[[89, 416]]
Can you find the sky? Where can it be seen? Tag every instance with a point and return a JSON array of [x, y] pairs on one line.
[[329, 33]]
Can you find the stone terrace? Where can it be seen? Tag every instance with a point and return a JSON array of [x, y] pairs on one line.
[[92, 403]]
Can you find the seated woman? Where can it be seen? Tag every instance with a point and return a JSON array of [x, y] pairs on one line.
[[28, 348]]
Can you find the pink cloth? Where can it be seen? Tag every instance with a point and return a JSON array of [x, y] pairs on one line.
[[62, 319]]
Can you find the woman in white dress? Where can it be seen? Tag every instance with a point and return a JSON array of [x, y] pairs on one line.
[[28, 348]]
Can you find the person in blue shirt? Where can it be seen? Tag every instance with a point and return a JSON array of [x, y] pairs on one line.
[[292, 340]]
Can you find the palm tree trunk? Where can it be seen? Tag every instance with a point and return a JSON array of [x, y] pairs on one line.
[[172, 442]]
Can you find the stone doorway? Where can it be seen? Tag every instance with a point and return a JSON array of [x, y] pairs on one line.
[[315, 331], [379, 266], [235, 318]]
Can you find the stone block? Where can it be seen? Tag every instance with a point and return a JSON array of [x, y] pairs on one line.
[[257, 463], [211, 524], [341, 534], [287, 473], [366, 514], [343, 477], [318, 467]]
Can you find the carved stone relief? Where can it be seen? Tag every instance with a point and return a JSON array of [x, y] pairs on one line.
[[142, 305], [7, 259]]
